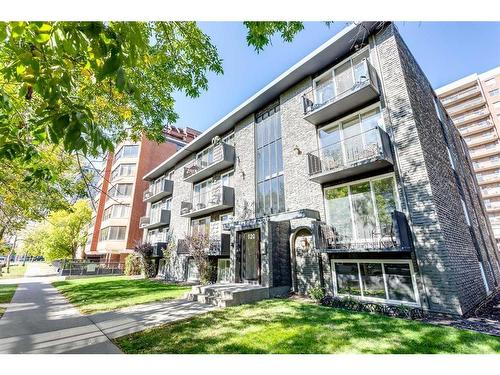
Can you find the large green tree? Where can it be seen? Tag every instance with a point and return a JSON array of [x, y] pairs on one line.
[[88, 85], [62, 234]]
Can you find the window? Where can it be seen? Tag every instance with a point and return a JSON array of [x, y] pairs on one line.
[[391, 281], [201, 226], [223, 270], [438, 109], [201, 194], [192, 270], [127, 151], [112, 234], [227, 178], [157, 235], [123, 170], [495, 92], [496, 105], [362, 211], [120, 190], [157, 207], [205, 157], [269, 166], [466, 213], [116, 211], [349, 139], [229, 139]]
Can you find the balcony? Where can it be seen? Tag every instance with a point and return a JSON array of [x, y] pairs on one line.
[[485, 165], [217, 199], [485, 151], [476, 128], [325, 103], [483, 179], [395, 238], [222, 157], [470, 116], [158, 248], [481, 139], [155, 221], [465, 106], [490, 192], [217, 247], [468, 93], [492, 206], [367, 151], [157, 192]]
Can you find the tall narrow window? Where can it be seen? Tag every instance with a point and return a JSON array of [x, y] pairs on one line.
[[269, 165]]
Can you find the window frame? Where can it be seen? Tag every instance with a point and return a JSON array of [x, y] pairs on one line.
[[374, 299], [372, 196]]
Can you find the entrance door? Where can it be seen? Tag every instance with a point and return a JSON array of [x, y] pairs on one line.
[[223, 270], [250, 256]]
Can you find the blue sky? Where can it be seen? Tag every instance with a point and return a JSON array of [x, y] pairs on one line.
[[446, 51]]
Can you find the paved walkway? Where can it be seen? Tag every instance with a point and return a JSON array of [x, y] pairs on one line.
[[40, 320]]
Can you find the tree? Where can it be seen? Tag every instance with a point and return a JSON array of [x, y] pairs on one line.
[[198, 244], [60, 236], [89, 85]]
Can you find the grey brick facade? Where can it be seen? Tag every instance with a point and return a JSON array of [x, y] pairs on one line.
[[446, 252]]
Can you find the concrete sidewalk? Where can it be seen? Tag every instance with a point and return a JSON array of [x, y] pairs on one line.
[[41, 320]]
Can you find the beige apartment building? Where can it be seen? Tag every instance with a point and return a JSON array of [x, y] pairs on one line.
[[473, 104]]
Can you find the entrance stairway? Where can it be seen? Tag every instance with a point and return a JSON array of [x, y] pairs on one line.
[[225, 295]]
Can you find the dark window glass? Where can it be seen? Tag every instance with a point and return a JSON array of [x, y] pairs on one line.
[[347, 278], [373, 280], [399, 283], [269, 164]]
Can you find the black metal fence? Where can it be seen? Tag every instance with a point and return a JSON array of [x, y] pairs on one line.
[[86, 268]]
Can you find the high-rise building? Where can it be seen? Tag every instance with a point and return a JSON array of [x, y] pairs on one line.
[[344, 172], [118, 206], [473, 104]]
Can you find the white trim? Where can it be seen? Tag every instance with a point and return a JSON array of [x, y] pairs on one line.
[[373, 299], [483, 275]]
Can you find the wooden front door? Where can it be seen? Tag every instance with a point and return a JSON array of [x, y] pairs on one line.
[[250, 256]]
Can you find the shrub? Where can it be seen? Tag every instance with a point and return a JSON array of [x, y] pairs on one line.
[[144, 251], [317, 293], [348, 303], [133, 265]]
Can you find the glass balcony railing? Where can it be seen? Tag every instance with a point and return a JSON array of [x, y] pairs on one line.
[[358, 154], [475, 128], [470, 116], [158, 191], [490, 192], [156, 219], [342, 93]]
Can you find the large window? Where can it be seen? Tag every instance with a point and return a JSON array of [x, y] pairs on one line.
[[112, 233], [127, 151], [362, 211], [123, 170], [116, 211], [157, 207], [120, 191], [390, 281], [352, 138], [202, 194], [269, 166], [157, 235], [201, 226]]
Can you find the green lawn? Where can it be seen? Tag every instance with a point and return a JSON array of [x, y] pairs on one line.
[[285, 326], [6, 293], [14, 272], [109, 293]]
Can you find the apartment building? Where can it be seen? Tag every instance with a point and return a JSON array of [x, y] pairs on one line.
[[344, 172], [473, 103], [114, 229]]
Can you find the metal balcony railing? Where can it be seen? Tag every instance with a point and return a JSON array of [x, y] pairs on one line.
[[216, 199], [326, 101], [158, 191], [392, 236], [219, 157], [351, 156], [462, 94]]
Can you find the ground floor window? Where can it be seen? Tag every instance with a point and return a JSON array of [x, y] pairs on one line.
[[192, 270], [391, 281], [223, 270]]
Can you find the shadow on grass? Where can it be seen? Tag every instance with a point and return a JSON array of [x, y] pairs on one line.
[[283, 326], [7, 292]]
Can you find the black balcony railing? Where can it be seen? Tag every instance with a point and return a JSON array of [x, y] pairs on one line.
[[359, 153], [362, 86], [393, 236]]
